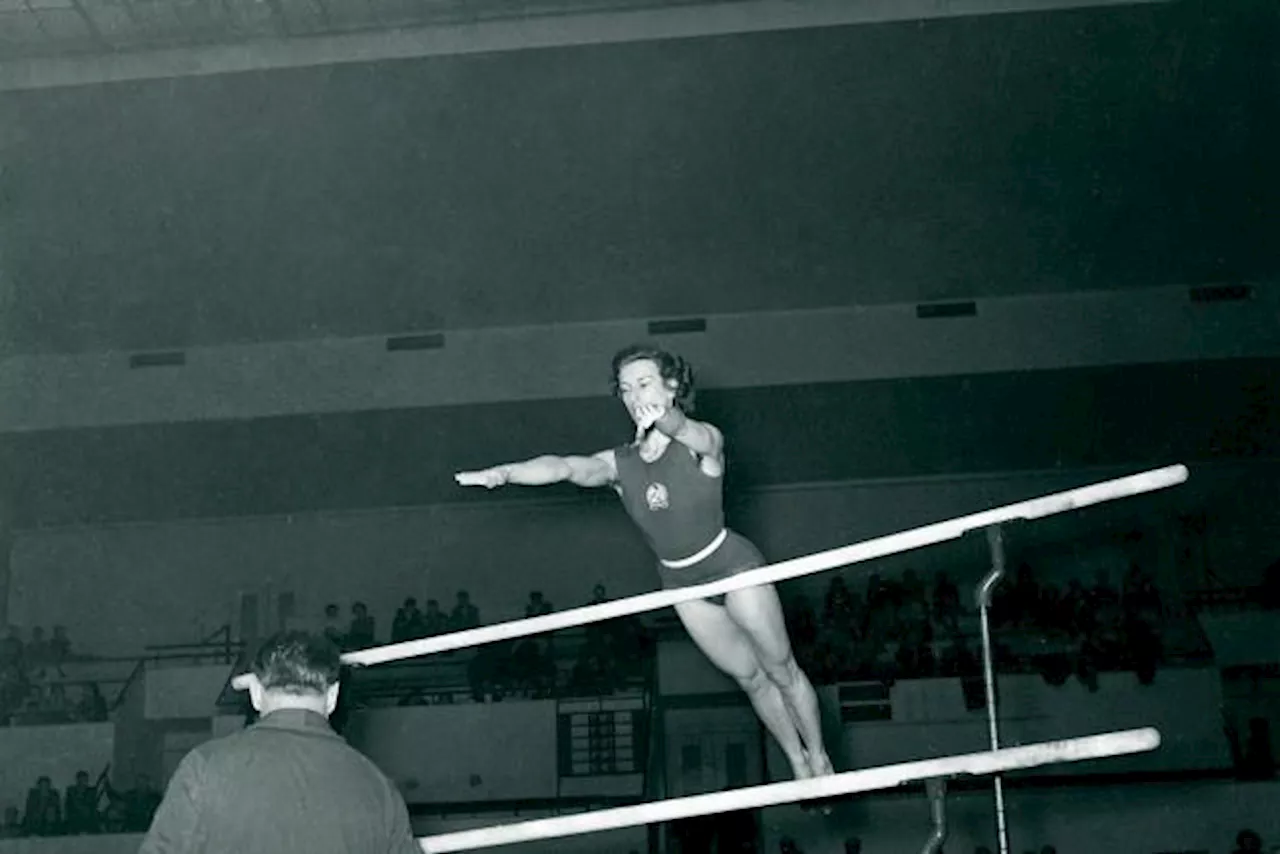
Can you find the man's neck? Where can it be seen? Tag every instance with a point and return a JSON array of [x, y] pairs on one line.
[[277, 702]]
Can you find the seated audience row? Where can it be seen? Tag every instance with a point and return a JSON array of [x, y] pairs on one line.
[[901, 629], [409, 623], [83, 809], [34, 688]]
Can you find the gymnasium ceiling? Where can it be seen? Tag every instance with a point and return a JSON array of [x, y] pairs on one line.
[[896, 161], [899, 161]]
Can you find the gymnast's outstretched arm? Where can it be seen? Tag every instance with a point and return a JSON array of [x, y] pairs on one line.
[[597, 470]]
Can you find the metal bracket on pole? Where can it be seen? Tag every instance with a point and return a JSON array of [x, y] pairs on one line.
[[937, 791]]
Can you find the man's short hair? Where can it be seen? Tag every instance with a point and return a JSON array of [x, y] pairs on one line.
[[297, 663]]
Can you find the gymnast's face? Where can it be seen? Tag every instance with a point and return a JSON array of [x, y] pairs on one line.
[[640, 383]]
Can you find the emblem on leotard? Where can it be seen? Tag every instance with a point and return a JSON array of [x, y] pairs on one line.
[[656, 497]]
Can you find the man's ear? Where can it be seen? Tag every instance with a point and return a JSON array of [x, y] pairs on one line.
[[250, 682]]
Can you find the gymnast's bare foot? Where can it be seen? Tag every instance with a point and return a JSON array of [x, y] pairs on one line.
[[800, 768], [819, 764]]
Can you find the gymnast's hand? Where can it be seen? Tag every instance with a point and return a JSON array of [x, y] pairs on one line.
[[488, 478], [646, 415]]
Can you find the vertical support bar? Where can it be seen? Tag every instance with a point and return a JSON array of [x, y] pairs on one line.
[[995, 540], [937, 791]]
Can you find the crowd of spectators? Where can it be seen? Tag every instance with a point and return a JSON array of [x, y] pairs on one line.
[[34, 688], [596, 660], [905, 628], [360, 629], [83, 808], [593, 660], [888, 628], [613, 653]]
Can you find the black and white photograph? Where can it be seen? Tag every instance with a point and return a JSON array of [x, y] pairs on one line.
[[639, 426]]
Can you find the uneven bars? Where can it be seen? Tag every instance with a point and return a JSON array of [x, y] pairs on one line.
[[913, 538], [774, 794]]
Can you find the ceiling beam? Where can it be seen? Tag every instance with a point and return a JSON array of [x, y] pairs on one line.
[[545, 31]]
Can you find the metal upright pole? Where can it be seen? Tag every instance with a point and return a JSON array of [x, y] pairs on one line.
[[995, 540], [937, 791]]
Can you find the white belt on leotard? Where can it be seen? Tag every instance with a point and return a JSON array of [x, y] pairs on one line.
[[702, 554]]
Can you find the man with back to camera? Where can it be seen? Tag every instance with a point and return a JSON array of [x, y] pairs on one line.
[[287, 783]]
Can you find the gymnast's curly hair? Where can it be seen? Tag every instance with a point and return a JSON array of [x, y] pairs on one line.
[[670, 367]]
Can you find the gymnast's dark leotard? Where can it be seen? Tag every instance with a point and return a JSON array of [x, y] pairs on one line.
[[680, 510]]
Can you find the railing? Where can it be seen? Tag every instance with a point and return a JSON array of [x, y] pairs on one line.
[[442, 678], [218, 644], [445, 677]]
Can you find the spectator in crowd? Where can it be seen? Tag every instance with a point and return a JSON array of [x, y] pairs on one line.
[[92, 706], [362, 632], [1020, 598], [801, 621], [434, 621], [537, 606], [613, 652], [1103, 594], [491, 671], [14, 685], [288, 783], [143, 801], [333, 628], [533, 669], [592, 675], [617, 645], [112, 818], [1074, 615], [1139, 593], [533, 665], [1049, 616], [11, 648], [902, 630], [913, 592], [1251, 753], [37, 656], [595, 653], [133, 809], [839, 611], [407, 624], [59, 646], [28, 709], [465, 615], [81, 801], [43, 815], [946, 602], [56, 708]]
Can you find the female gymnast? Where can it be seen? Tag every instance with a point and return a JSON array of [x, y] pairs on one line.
[[670, 482]]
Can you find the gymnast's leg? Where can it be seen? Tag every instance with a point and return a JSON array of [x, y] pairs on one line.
[[758, 612], [729, 648]]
